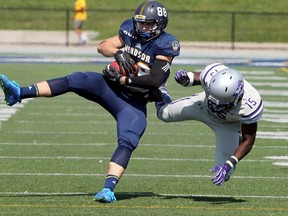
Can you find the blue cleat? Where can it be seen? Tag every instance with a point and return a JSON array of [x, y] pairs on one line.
[[105, 196], [11, 90]]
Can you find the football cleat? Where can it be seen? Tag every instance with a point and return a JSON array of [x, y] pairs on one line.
[[11, 90], [105, 196]]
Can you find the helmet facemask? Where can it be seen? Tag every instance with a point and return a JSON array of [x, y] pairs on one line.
[[226, 89], [147, 34], [150, 12], [216, 106]]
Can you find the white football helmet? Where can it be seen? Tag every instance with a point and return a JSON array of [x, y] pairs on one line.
[[225, 90]]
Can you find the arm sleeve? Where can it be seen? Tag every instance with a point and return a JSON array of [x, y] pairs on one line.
[[159, 74]]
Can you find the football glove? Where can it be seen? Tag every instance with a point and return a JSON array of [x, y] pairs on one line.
[[112, 74], [125, 62], [221, 174], [182, 77]]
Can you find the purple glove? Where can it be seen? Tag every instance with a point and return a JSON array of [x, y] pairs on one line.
[[221, 174], [182, 77]]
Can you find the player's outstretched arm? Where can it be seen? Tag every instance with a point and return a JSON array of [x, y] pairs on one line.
[[187, 78], [248, 139]]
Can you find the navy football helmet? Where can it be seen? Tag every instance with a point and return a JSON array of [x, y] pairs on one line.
[[150, 12]]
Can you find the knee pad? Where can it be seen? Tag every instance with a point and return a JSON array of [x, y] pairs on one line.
[[58, 86], [122, 156]]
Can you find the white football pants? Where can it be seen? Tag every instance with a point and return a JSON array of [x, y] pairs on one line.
[[193, 108]]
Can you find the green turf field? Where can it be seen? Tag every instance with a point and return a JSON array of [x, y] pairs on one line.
[[54, 155]]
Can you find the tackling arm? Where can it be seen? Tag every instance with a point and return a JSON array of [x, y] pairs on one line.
[[196, 78], [248, 139], [186, 79]]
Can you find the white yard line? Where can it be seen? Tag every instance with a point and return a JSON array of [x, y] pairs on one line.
[[108, 158], [257, 73], [269, 78], [141, 175], [270, 84], [179, 145], [260, 134], [26, 193]]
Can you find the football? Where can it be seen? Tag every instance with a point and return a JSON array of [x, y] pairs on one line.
[[115, 65]]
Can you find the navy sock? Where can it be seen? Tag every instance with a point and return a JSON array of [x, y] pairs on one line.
[[29, 91], [111, 182]]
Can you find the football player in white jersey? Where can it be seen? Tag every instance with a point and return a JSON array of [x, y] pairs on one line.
[[229, 105]]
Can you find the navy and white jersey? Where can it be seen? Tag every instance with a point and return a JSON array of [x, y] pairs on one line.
[[248, 110], [146, 52]]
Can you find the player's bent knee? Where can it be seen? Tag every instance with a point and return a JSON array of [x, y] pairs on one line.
[[163, 114], [78, 76]]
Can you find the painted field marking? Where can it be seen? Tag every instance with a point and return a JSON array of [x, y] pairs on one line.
[[108, 158], [260, 135], [280, 160], [273, 92], [193, 207], [285, 69], [281, 164], [269, 78], [26, 193], [142, 145], [257, 73], [141, 175], [269, 84]]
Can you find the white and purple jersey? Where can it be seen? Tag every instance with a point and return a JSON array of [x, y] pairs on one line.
[[226, 125], [250, 107]]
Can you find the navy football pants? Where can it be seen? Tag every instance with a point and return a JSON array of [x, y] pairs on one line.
[[130, 115]]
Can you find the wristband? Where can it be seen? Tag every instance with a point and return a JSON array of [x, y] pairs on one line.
[[191, 78], [232, 161], [236, 159]]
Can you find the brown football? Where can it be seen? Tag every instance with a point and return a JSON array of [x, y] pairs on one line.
[[115, 65]]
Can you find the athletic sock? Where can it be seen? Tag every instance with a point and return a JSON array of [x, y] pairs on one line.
[[29, 91], [111, 182]]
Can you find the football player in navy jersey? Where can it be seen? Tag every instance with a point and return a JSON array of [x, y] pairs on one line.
[[141, 41]]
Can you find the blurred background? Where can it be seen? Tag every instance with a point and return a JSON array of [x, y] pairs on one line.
[[231, 23]]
